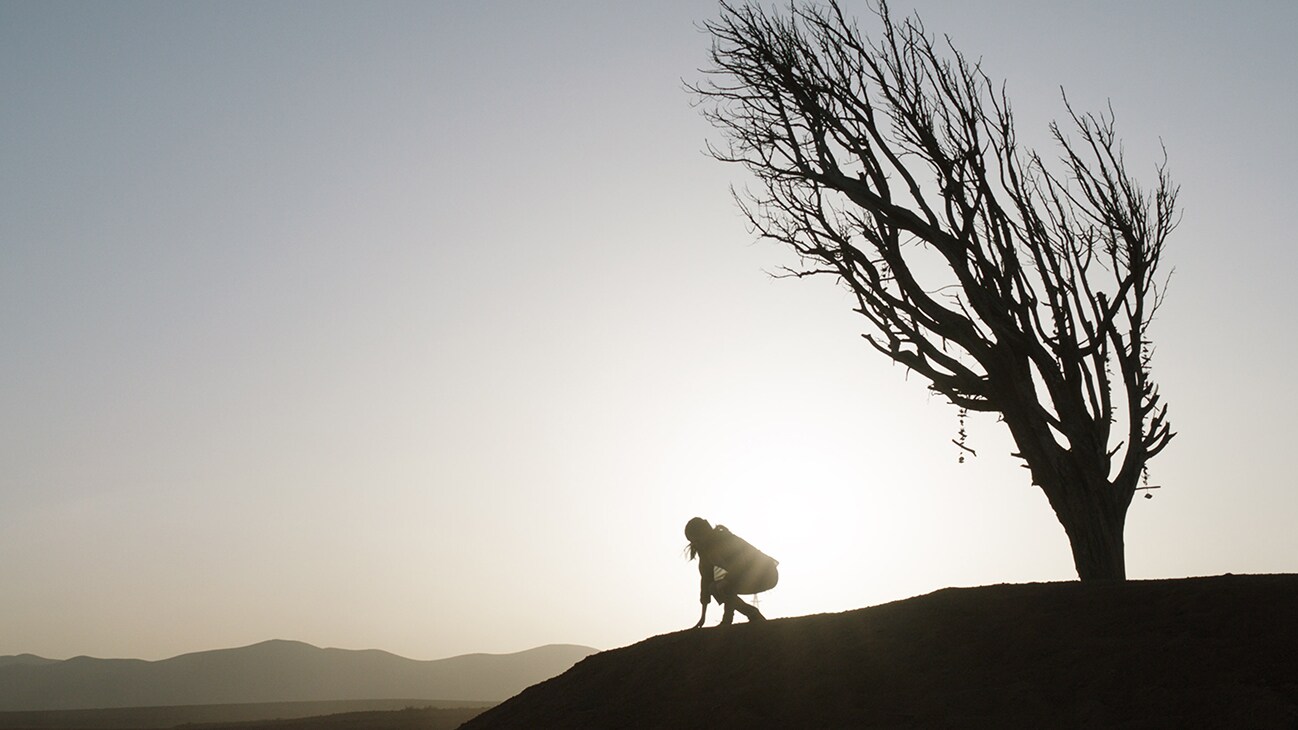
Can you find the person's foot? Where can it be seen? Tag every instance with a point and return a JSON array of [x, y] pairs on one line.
[[728, 617], [752, 613]]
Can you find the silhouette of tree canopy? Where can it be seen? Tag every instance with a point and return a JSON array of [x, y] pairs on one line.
[[1014, 284]]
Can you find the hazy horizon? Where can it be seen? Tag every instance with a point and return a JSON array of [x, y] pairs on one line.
[[424, 327], [281, 640]]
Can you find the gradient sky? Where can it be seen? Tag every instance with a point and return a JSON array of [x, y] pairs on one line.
[[426, 326]]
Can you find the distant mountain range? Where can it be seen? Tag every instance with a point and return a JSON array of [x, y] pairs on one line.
[[273, 671]]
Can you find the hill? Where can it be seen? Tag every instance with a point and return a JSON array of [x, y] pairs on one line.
[[1198, 652], [272, 671]]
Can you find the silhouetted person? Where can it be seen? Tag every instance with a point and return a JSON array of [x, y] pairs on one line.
[[728, 567]]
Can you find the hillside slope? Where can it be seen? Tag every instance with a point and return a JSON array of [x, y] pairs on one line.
[[274, 671], [1198, 652]]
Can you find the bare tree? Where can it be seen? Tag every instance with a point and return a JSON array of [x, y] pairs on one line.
[[1015, 287]]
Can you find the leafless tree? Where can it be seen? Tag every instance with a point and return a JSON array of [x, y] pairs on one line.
[[1013, 284]]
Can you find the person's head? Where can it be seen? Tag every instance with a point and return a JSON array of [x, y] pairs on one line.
[[697, 530]]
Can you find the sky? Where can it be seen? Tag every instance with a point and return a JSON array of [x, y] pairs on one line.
[[426, 326]]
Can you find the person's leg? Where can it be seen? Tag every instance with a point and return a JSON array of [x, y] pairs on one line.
[[754, 579], [749, 611], [724, 590], [728, 616], [726, 597]]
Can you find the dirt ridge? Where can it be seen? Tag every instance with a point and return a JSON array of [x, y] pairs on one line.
[[1197, 652]]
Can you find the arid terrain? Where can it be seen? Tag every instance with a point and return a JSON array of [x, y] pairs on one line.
[[1201, 652], [333, 715], [1219, 652]]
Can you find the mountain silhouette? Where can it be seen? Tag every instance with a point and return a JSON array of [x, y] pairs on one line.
[[1198, 652], [25, 660], [272, 671]]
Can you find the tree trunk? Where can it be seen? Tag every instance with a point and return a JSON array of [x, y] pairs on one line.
[[1098, 549], [1093, 516], [1092, 510]]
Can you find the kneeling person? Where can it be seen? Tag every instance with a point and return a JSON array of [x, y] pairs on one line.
[[728, 567]]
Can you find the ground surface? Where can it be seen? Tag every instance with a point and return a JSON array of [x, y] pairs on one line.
[[1199, 652], [426, 718], [328, 715]]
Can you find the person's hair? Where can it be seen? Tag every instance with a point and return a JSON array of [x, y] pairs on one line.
[[696, 529]]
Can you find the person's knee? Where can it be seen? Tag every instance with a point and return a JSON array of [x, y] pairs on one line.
[[723, 592]]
